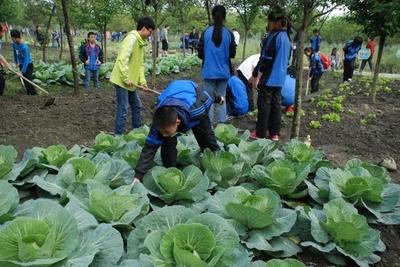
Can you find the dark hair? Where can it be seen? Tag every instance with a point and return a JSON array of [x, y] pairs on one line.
[[334, 50], [308, 50], [219, 15], [358, 40], [90, 33], [1, 28], [164, 117], [15, 34], [37, 26], [371, 38], [145, 22], [276, 16], [315, 31]]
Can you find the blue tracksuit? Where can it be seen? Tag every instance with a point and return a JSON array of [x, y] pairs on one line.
[[315, 43], [351, 51], [191, 105], [22, 56], [216, 60], [316, 66], [274, 59], [236, 97]]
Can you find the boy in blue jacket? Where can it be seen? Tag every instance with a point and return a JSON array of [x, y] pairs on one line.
[[91, 56], [315, 41], [181, 107], [22, 58], [316, 68], [269, 77], [237, 103], [350, 54]]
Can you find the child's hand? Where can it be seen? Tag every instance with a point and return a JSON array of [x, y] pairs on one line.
[[98, 62], [20, 74], [222, 101], [87, 62]]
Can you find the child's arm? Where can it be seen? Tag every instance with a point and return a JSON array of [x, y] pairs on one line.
[[15, 56], [200, 47], [101, 56], [26, 62], [232, 46]]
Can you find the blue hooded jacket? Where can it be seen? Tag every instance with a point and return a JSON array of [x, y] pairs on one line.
[[316, 66], [216, 60], [191, 104], [236, 97], [274, 59], [315, 43], [22, 56], [351, 50]]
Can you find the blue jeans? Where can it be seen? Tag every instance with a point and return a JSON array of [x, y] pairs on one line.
[[217, 87], [125, 99], [89, 74]]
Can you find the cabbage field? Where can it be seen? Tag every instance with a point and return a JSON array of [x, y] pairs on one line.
[[253, 203], [61, 73]]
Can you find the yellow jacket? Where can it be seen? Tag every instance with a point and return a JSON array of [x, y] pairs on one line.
[[130, 62]]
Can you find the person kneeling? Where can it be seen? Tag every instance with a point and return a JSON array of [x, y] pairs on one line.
[[181, 107], [237, 103]]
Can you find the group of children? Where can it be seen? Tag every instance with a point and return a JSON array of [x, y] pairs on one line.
[[22, 59]]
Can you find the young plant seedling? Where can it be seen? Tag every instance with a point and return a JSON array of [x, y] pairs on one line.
[[315, 125], [332, 117]]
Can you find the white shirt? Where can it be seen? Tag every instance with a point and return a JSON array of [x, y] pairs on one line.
[[248, 65], [237, 37]]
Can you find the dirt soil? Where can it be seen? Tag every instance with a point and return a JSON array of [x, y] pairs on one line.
[[25, 122]]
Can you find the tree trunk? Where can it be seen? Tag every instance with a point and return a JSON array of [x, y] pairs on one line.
[[208, 12], [246, 30], [299, 74], [46, 33], [377, 67], [65, 9], [105, 42], [61, 42]]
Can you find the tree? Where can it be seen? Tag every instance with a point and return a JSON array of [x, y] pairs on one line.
[[10, 11], [101, 12], [65, 6], [247, 11], [303, 14], [378, 18], [46, 32]]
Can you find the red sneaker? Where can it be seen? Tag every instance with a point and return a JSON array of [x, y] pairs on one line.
[[290, 109], [254, 135], [274, 137]]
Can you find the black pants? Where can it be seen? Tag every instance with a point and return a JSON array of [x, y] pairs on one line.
[[202, 132], [30, 90], [249, 90], [364, 62], [348, 69], [315, 83], [2, 83], [269, 111]]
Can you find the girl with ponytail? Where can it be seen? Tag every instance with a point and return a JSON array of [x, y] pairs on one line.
[[216, 48]]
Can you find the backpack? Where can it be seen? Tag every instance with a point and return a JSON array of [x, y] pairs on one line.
[[326, 61]]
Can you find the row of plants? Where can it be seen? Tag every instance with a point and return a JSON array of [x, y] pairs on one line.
[[251, 200], [332, 105], [61, 73]]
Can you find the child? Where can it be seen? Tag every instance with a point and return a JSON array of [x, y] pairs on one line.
[[350, 54], [237, 103], [3, 62], [269, 77], [335, 59], [22, 58], [128, 72], [91, 56], [315, 41], [182, 106], [316, 68], [216, 48], [371, 47], [244, 72]]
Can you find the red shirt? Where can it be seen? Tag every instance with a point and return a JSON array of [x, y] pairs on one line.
[[371, 46]]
